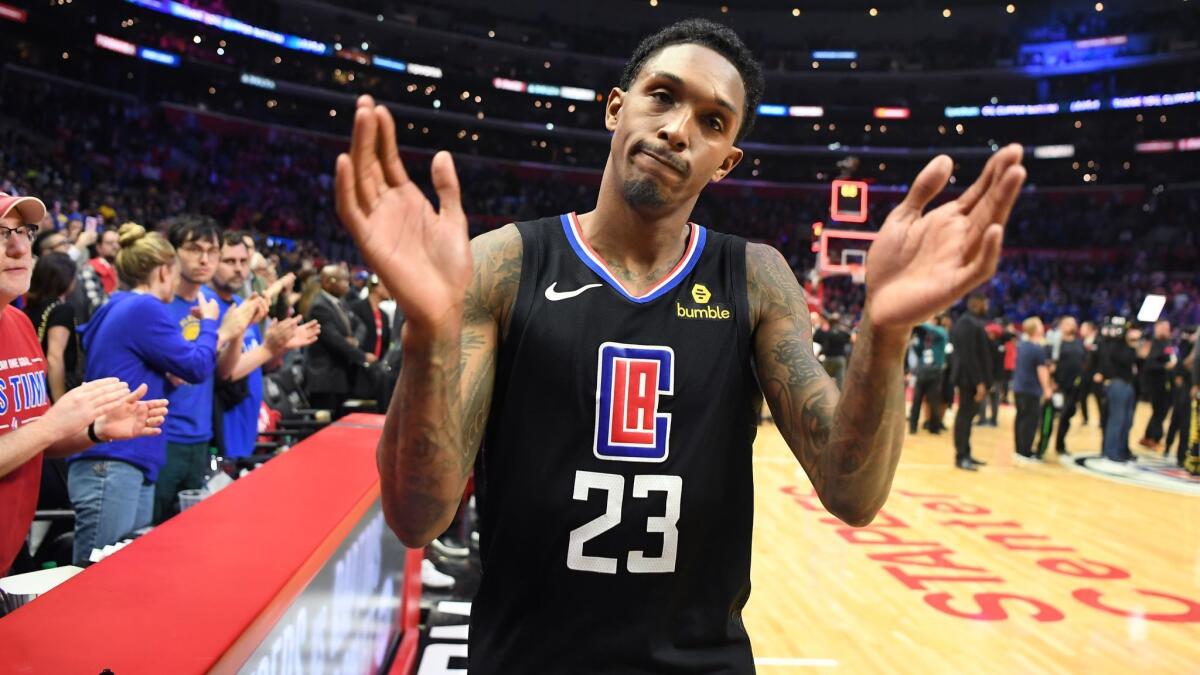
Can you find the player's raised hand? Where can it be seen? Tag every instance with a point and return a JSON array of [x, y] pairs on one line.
[[422, 255], [922, 263]]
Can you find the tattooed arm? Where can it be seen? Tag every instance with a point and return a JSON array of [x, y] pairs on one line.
[[439, 411], [848, 443], [919, 264]]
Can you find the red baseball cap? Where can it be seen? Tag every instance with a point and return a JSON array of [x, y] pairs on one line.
[[32, 209]]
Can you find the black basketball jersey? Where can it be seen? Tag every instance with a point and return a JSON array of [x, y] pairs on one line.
[[615, 485]]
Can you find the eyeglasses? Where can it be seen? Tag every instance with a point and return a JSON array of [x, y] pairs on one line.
[[30, 231], [197, 252]]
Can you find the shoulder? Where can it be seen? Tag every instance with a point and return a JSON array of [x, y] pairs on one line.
[[177, 307], [497, 259], [503, 242], [63, 314], [13, 319], [771, 284], [320, 305]]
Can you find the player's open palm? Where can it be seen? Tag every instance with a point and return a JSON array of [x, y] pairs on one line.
[[422, 255], [922, 263]]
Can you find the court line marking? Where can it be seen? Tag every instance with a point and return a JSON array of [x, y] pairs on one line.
[[1153, 482], [795, 662]]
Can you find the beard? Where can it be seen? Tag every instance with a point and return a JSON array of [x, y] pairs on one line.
[[642, 192], [232, 285]]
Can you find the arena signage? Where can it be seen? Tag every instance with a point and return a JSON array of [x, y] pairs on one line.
[[13, 13], [1081, 105], [345, 620]]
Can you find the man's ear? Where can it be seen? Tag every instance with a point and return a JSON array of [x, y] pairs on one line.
[[616, 98], [727, 165]]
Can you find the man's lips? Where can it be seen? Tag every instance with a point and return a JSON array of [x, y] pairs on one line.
[[661, 160]]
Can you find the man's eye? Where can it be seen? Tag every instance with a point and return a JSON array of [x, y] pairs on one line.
[[661, 96]]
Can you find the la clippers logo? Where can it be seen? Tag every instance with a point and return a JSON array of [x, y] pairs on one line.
[[629, 383]]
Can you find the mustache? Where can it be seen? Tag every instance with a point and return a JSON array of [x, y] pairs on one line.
[[665, 155]]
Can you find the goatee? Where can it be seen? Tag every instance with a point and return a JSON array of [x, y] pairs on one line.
[[642, 192]]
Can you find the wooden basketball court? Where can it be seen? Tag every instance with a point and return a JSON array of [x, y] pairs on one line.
[[1011, 569]]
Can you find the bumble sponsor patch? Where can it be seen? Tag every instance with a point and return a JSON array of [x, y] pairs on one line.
[[713, 311]]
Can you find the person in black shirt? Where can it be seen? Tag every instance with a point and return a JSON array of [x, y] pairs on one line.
[[1181, 396], [1087, 386], [1068, 375], [53, 317], [998, 336], [1156, 384], [972, 374], [833, 348], [54, 320], [336, 357], [373, 330], [1118, 364]]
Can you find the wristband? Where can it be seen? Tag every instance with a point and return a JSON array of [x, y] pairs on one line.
[[95, 438]]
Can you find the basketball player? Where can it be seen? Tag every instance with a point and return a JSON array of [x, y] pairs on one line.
[[607, 364]]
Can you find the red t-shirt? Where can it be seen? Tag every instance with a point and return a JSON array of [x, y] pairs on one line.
[[24, 397], [106, 272]]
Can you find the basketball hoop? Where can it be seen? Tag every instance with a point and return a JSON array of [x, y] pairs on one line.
[[858, 274]]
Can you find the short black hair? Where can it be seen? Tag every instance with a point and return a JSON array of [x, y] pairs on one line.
[[233, 238], [52, 276], [188, 227], [39, 241], [719, 38]]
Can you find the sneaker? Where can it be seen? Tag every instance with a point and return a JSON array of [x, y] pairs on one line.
[[447, 550], [1109, 466], [432, 578]]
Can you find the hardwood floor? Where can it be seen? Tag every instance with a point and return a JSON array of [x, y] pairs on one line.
[[1014, 569]]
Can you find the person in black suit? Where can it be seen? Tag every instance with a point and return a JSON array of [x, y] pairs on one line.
[[336, 358], [374, 333], [972, 374]]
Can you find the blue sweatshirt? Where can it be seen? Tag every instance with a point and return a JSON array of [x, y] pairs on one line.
[[133, 337], [240, 423], [191, 420]]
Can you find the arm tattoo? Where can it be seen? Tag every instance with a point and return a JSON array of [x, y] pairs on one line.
[[443, 395], [487, 314], [802, 397], [848, 442]]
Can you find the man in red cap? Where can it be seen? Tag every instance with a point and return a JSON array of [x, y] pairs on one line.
[[95, 412]]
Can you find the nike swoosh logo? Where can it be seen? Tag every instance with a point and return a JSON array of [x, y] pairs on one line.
[[554, 296]]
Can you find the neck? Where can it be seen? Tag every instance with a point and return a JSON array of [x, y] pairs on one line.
[[374, 300], [188, 290], [225, 295], [640, 245]]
